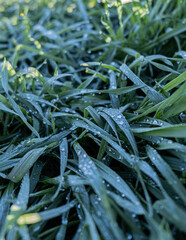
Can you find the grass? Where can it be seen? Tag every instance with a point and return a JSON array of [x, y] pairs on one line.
[[93, 120]]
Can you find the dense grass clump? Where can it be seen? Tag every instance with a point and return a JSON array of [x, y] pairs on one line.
[[92, 119]]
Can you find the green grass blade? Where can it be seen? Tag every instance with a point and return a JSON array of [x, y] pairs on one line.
[[173, 131], [167, 172], [25, 163]]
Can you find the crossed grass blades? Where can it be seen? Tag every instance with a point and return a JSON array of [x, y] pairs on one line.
[[93, 120]]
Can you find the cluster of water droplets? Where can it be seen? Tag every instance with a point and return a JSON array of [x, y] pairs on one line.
[[86, 165], [153, 122]]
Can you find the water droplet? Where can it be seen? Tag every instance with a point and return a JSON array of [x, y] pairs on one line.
[[155, 122], [118, 179], [129, 237], [64, 221], [43, 105], [99, 213]]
